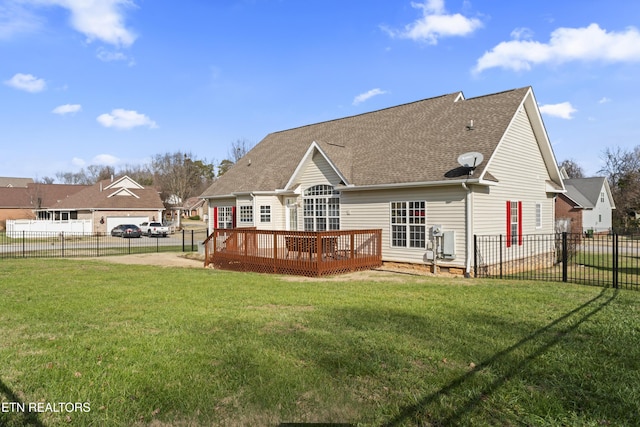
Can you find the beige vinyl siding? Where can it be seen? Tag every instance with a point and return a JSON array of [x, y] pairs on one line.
[[318, 171], [371, 210], [521, 172], [277, 212]]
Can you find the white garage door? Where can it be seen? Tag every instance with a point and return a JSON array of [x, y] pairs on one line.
[[113, 221]]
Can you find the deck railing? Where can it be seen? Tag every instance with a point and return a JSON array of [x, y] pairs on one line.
[[304, 253]]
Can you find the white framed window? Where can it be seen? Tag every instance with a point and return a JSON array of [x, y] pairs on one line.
[[602, 197], [538, 215], [408, 224], [246, 214], [321, 208], [265, 213], [225, 217]]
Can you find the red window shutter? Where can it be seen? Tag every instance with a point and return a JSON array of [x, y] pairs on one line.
[[519, 223], [508, 223], [215, 217], [233, 216]]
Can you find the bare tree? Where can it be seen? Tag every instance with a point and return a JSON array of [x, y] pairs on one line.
[[142, 174], [79, 178], [239, 148], [179, 177], [45, 180], [572, 168], [97, 173]]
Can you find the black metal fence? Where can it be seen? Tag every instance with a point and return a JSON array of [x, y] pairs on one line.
[[611, 260], [60, 245]]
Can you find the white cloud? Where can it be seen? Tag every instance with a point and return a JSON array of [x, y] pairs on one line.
[[365, 96], [125, 119], [67, 109], [435, 23], [604, 100], [564, 110], [97, 19], [521, 33], [76, 161], [110, 56], [26, 82], [16, 19], [590, 43], [105, 159]]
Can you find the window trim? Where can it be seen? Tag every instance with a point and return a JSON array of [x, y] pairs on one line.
[[265, 213], [246, 214], [320, 208], [408, 230], [538, 215]]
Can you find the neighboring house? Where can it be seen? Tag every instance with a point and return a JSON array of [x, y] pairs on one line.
[[98, 209], [588, 204], [397, 170], [194, 206], [15, 182], [23, 202]]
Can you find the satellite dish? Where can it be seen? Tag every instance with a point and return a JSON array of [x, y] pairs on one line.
[[470, 160]]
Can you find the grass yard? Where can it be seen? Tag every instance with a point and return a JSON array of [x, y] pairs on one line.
[[149, 346]]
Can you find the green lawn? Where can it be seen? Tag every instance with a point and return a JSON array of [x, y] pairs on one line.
[[149, 346]]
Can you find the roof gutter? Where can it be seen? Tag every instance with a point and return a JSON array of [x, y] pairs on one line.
[[414, 184]]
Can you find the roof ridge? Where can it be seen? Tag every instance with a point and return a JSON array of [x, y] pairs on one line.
[[497, 93], [368, 112]]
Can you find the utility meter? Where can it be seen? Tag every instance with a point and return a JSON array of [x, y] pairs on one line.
[[436, 230]]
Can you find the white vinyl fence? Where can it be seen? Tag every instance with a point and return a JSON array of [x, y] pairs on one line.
[[15, 228]]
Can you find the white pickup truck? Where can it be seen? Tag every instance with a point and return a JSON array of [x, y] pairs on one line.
[[154, 229]]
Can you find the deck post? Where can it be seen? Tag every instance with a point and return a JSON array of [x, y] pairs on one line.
[[275, 252], [352, 244]]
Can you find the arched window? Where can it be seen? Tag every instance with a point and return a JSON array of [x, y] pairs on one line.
[[321, 208]]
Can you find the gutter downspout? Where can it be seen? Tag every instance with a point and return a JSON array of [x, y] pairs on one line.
[[468, 231]]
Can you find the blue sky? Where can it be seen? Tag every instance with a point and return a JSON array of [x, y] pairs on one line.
[[114, 82]]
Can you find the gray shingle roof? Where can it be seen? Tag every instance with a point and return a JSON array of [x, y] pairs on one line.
[[584, 191], [6, 181], [414, 142]]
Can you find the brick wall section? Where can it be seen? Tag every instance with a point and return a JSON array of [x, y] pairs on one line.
[[565, 209]]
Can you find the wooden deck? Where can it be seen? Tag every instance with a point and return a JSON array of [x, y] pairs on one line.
[[302, 253]]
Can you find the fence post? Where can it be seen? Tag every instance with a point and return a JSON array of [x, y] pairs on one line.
[[616, 252], [183, 240], [192, 249], [565, 257], [24, 243], [62, 243], [501, 256]]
